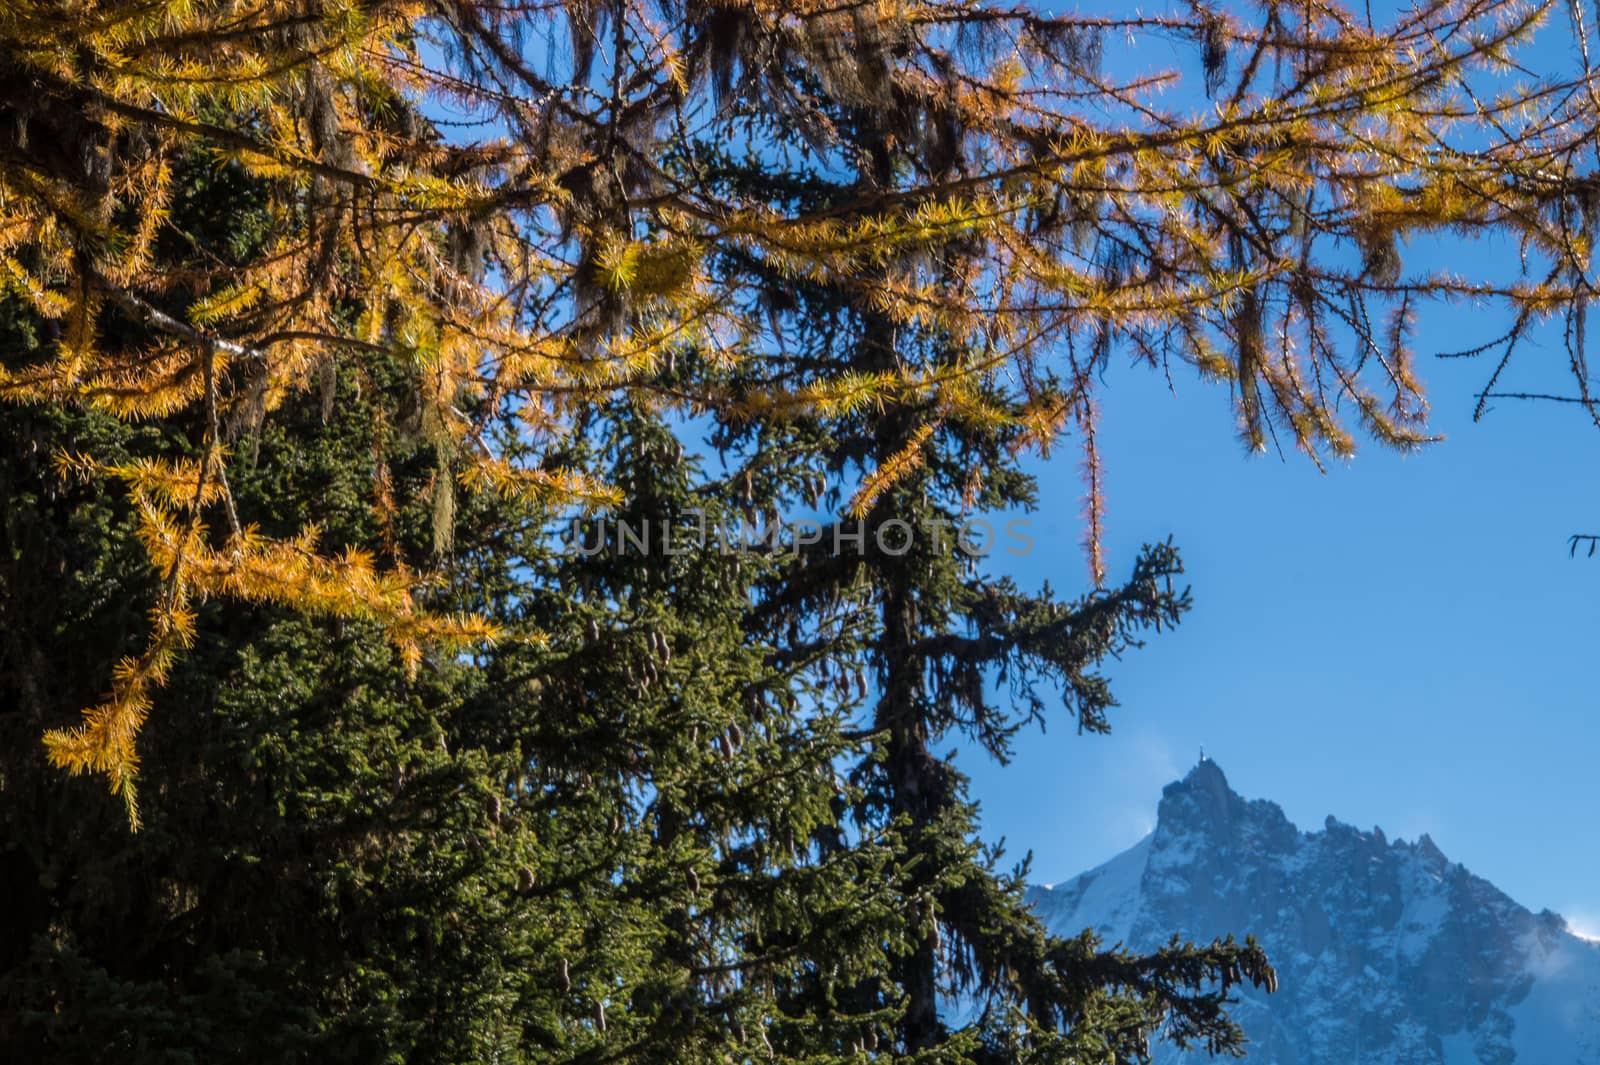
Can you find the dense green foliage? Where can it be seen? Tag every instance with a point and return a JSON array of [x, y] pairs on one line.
[[696, 819], [640, 822], [529, 857]]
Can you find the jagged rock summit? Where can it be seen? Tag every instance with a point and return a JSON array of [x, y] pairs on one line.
[[1387, 952]]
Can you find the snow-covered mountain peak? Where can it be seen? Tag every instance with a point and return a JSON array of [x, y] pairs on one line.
[[1387, 951]]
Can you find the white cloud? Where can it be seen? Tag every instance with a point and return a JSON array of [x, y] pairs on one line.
[[1582, 923]]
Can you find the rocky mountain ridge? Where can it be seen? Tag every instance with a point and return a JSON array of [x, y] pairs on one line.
[[1387, 952]]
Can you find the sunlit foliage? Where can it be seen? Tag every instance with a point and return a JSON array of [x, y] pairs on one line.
[[527, 205]]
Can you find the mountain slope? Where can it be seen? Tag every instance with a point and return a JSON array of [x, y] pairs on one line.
[[1387, 952]]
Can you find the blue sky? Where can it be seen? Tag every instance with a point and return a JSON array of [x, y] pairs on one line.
[[1401, 642]]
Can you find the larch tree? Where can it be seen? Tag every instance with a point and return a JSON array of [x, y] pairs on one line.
[[483, 192], [882, 250]]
